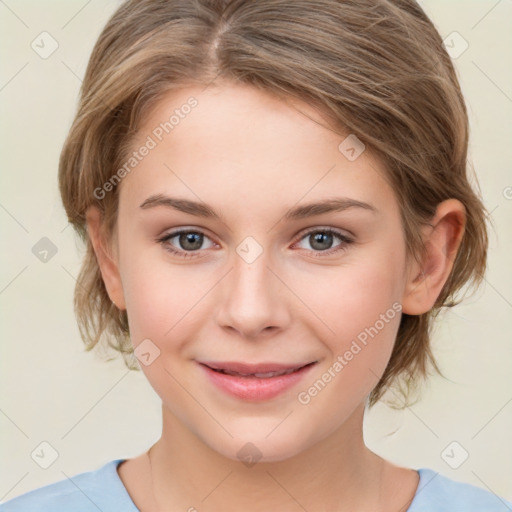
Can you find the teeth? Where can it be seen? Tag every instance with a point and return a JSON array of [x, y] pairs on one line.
[[266, 375]]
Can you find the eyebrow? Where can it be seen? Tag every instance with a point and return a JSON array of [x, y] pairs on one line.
[[299, 212]]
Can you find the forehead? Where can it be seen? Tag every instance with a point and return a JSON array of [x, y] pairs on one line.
[[243, 149]]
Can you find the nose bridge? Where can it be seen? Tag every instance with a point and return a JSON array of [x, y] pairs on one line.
[[252, 297]]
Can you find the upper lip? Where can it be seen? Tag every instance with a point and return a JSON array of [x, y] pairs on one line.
[[247, 369]]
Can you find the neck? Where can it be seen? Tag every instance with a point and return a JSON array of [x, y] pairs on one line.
[[337, 473]]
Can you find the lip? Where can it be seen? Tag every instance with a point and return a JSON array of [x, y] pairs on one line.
[[247, 368], [250, 387]]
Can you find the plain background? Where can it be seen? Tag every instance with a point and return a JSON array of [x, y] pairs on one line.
[[92, 411]]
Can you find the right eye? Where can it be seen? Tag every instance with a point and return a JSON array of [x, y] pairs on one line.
[[184, 243]]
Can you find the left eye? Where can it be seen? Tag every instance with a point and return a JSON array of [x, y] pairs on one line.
[[321, 240]]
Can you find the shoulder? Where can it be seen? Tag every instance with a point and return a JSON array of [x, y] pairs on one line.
[[101, 489], [437, 493]]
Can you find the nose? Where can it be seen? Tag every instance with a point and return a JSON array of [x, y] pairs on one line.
[[253, 299]]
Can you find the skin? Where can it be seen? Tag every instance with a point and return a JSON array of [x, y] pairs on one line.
[[252, 157]]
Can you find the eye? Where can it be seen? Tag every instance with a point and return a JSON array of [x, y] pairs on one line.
[[321, 240], [185, 243]]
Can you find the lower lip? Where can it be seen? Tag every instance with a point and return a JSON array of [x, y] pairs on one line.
[[253, 388]]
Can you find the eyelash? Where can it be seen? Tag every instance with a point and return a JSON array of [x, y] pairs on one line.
[[318, 254]]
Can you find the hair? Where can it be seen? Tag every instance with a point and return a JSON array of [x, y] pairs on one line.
[[377, 68]]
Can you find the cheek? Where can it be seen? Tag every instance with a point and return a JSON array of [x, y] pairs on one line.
[[168, 304], [156, 293], [360, 304], [363, 309], [160, 302], [164, 306], [365, 296]]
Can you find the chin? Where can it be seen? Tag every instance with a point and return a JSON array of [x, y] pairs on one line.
[[262, 447]]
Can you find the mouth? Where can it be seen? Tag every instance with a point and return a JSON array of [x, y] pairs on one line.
[[255, 382], [260, 371]]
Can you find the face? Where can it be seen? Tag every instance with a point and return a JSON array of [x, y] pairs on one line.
[[223, 260]]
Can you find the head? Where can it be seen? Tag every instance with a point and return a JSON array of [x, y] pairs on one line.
[[252, 110]]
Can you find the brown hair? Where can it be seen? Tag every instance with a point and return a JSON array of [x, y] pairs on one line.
[[378, 68]]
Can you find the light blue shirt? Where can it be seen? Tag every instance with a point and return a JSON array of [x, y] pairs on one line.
[[102, 490]]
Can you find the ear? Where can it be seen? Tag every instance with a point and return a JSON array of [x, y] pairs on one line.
[[107, 262], [442, 239]]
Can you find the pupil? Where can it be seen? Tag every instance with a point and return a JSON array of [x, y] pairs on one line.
[[319, 238], [191, 241]]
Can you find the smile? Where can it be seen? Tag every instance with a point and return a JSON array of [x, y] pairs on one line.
[[254, 382]]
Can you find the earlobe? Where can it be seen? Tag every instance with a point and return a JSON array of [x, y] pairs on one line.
[[107, 263], [442, 240]]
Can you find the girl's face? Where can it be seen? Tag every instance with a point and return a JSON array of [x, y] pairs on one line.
[[293, 255]]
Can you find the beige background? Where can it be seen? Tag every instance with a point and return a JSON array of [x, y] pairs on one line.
[[92, 411]]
